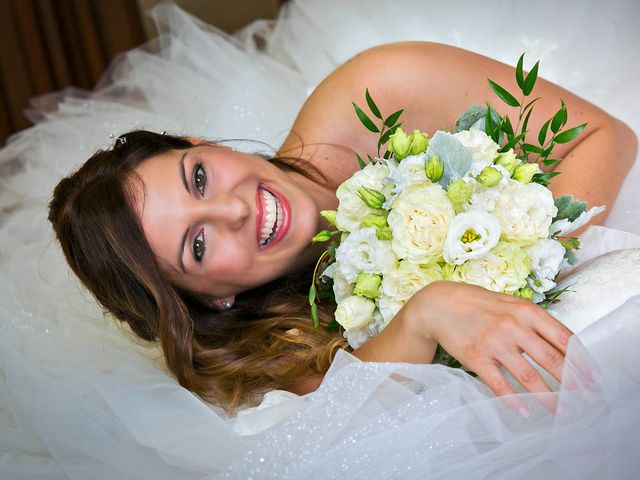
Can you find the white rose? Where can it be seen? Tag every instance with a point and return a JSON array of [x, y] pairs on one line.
[[419, 223], [546, 256], [351, 209], [409, 171], [388, 307], [357, 336], [525, 212], [354, 312], [361, 251], [504, 269], [341, 287], [483, 149], [400, 284], [471, 235]]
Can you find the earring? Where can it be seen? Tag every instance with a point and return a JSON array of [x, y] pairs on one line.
[[226, 305]]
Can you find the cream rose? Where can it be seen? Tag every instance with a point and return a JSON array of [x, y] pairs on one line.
[[525, 212], [471, 235], [341, 287], [400, 284], [388, 307], [361, 251], [419, 222], [482, 148], [351, 209], [504, 269], [355, 312]]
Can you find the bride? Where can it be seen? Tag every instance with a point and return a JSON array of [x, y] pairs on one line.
[[163, 228]]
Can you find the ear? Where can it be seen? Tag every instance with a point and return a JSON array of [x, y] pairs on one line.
[[221, 304]]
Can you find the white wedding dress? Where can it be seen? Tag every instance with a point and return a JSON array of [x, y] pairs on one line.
[[80, 398]]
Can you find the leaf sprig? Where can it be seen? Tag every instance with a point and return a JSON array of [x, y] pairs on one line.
[[387, 127], [498, 127]]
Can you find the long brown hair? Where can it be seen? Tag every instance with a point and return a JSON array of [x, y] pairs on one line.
[[266, 341]]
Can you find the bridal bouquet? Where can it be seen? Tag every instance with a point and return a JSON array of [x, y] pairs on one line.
[[470, 206]]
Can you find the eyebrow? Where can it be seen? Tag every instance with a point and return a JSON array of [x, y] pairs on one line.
[[183, 174]]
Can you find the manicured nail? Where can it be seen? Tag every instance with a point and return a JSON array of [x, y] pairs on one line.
[[524, 412]]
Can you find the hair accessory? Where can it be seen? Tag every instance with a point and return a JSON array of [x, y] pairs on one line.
[[121, 141], [163, 132], [227, 305]]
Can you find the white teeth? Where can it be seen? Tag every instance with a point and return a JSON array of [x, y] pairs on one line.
[[272, 217]]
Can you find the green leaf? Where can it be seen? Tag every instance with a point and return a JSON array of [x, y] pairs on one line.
[[519, 73], [470, 116], [314, 315], [527, 147], [488, 123], [504, 95], [543, 178], [366, 121], [312, 294], [530, 104], [507, 127], [548, 150], [570, 134], [361, 162], [393, 118], [526, 120], [385, 136], [570, 243], [552, 161], [568, 208], [559, 119], [387, 155], [333, 326], [512, 143], [371, 159], [372, 105], [542, 135], [530, 81]]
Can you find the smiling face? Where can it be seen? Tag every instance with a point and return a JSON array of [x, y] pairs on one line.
[[223, 222]]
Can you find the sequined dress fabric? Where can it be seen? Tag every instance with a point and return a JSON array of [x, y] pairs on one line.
[[81, 398]]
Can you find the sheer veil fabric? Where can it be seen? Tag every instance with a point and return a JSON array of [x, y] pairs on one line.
[[81, 398]]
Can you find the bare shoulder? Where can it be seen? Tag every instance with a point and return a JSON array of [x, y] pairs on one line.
[[433, 83]]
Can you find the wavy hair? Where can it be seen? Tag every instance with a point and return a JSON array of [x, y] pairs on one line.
[[229, 358]]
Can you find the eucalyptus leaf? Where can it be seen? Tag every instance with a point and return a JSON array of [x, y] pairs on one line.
[[552, 161], [512, 143], [542, 135], [504, 95], [526, 120], [529, 148], [455, 157], [469, 117], [519, 72], [544, 178], [570, 134], [568, 208], [393, 118], [559, 119], [530, 81], [530, 104], [372, 105], [366, 121], [508, 128], [385, 136], [361, 162], [571, 258]]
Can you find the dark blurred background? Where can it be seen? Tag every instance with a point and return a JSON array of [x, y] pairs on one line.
[[47, 45]]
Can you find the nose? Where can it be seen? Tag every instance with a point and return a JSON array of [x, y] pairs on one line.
[[229, 210]]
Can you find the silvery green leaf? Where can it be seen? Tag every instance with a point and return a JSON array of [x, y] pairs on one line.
[[469, 118], [564, 227], [571, 257], [568, 208], [455, 157]]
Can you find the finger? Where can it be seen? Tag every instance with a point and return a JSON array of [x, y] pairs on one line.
[[530, 379], [494, 379], [544, 354]]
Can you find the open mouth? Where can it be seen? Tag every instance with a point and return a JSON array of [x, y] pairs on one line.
[[272, 218]]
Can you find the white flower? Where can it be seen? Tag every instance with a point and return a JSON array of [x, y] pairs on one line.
[[546, 256], [409, 171], [564, 227], [483, 149], [361, 251], [357, 336], [525, 212], [504, 269], [341, 287], [354, 312], [351, 208], [419, 222], [403, 282], [388, 307], [471, 235]]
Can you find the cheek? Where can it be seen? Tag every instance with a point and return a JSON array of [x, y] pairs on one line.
[[231, 261]]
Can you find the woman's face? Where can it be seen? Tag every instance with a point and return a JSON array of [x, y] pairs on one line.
[[222, 222]]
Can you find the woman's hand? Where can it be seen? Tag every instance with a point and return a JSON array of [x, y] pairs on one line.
[[484, 329]]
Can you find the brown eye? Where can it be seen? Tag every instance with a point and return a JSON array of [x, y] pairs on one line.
[[199, 247], [199, 178]]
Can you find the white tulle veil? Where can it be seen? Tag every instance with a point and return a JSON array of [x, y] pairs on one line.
[[81, 398]]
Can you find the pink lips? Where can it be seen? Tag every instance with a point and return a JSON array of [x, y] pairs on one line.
[[286, 216]]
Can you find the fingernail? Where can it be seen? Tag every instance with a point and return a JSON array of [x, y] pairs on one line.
[[524, 412]]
